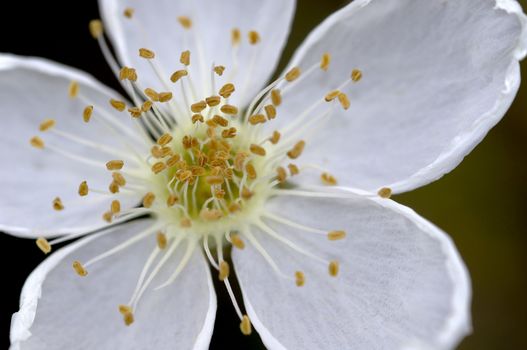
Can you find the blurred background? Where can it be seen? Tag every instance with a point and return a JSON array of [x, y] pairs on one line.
[[481, 204]]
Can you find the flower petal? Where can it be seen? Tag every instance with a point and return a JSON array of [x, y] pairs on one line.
[[60, 310], [155, 26], [401, 283], [438, 75], [32, 90]]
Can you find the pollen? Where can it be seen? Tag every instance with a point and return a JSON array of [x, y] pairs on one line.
[[356, 75], [275, 138], [300, 278], [185, 22], [224, 270], [96, 28], [115, 207], [128, 12], [245, 325], [146, 53], [385, 192], [336, 235], [276, 97], [118, 105], [254, 37], [47, 124], [330, 96], [73, 89], [219, 70], [236, 36], [36, 142], [344, 100], [325, 61], [227, 90], [229, 109], [178, 75], [79, 269], [43, 245], [333, 268], [270, 110], [149, 199], [87, 113], [258, 150], [293, 74], [297, 150], [185, 58], [328, 179], [57, 204], [114, 165], [237, 241], [161, 240], [83, 189]]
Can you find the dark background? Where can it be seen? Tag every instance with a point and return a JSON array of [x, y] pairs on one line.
[[481, 203]]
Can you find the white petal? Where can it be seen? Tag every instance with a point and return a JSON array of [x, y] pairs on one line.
[[32, 90], [401, 284], [60, 310], [438, 75], [209, 40]]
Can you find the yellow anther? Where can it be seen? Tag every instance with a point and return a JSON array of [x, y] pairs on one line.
[[333, 268], [123, 309], [330, 96], [123, 73], [128, 318], [87, 113], [257, 119], [135, 112], [239, 160], [270, 110], [198, 106], [198, 170], [276, 97], [132, 74], [219, 70], [165, 96], [156, 151], [336, 235], [275, 138], [254, 37], [118, 105], [189, 142], [220, 120], [227, 90], [178, 75], [36, 142], [344, 100], [185, 223], [300, 278], [149, 199], [385, 192], [119, 179], [236, 36], [229, 133], [293, 169], [145, 107], [229, 109], [237, 241], [164, 139], [43, 245], [224, 270], [214, 180], [245, 325], [297, 150], [79, 269], [185, 58], [113, 187], [83, 189], [57, 204], [293, 74], [184, 175], [73, 89], [172, 200], [161, 240], [47, 124], [210, 214], [281, 174], [356, 75], [96, 28], [152, 94], [325, 61], [128, 12], [146, 53], [213, 101], [197, 118], [328, 179], [251, 171], [233, 208], [107, 216], [158, 167], [115, 207], [256, 149], [172, 161], [115, 165], [185, 22]]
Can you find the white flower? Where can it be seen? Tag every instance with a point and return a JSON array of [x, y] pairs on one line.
[[324, 259]]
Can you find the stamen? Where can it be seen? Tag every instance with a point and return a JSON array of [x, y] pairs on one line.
[[293, 74], [185, 58], [275, 138], [330, 96], [227, 90], [328, 179], [172, 200], [257, 119], [251, 171], [198, 106], [128, 318], [356, 75], [344, 101], [281, 174], [336, 235], [57, 204], [96, 28], [146, 106], [115, 165], [87, 113], [161, 240], [276, 97], [235, 37], [165, 96], [237, 241], [178, 75], [185, 22], [115, 207], [36, 142], [73, 89], [297, 149], [270, 110], [385, 192], [128, 12], [293, 169], [118, 105], [83, 189], [119, 179], [43, 245], [113, 187], [79, 269], [219, 70], [220, 120], [210, 214], [47, 124], [197, 118], [148, 199], [164, 139], [325, 61], [333, 268], [245, 325], [254, 37], [213, 101], [146, 53], [152, 94], [229, 109], [258, 150], [224, 270], [229, 133], [300, 278], [107, 216]]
